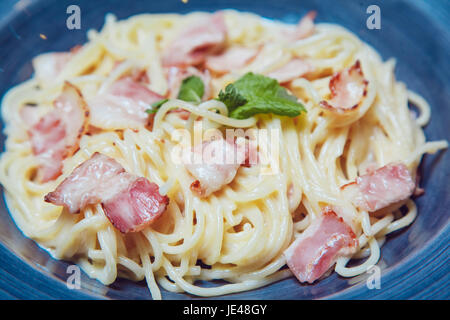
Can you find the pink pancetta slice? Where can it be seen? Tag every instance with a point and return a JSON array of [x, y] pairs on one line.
[[214, 164], [47, 66], [232, 59], [207, 36], [130, 202], [130, 88], [57, 134], [123, 105], [318, 247], [348, 87], [292, 70], [136, 207], [381, 188], [88, 183]]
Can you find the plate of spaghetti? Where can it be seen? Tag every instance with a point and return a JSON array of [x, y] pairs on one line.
[[188, 150]]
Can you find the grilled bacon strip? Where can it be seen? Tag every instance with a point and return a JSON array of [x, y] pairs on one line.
[[381, 187], [233, 58], [57, 134], [123, 105], [131, 203], [348, 88], [198, 41], [218, 163], [292, 70], [318, 247]]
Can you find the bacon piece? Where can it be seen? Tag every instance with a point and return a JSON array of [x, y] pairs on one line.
[[57, 134], [348, 87], [232, 59], [198, 41], [128, 87], [318, 247], [380, 188], [137, 207], [88, 183], [305, 27], [48, 65], [48, 144], [292, 70], [123, 105], [131, 203], [214, 164]]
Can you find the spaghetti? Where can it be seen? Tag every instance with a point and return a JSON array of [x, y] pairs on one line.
[[239, 233]]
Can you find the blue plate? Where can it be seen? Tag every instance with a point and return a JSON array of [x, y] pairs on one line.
[[415, 260]]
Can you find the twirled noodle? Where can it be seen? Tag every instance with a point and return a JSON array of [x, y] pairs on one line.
[[241, 231]]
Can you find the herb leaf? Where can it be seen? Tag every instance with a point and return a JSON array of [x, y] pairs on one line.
[[192, 89], [231, 97], [255, 93], [156, 106]]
